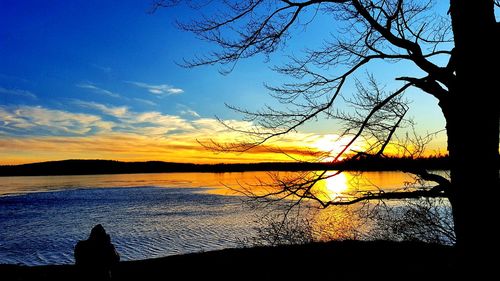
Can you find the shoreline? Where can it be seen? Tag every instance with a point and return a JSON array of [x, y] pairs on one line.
[[344, 260], [99, 167]]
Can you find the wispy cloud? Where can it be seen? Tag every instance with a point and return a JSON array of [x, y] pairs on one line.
[[17, 92], [116, 111], [157, 124], [48, 134], [37, 120], [162, 89], [96, 89], [189, 112], [148, 102]]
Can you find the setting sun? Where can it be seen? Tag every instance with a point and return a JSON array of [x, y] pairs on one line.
[[332, 145]]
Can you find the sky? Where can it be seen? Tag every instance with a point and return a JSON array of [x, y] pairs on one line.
[[101, 80]]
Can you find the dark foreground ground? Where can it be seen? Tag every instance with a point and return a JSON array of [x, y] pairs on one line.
[[348, 260]]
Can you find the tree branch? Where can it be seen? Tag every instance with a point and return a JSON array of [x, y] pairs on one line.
[[413, 49], [428, 85], [433, 193]]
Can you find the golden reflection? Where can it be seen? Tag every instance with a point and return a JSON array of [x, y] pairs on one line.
[[261, 183], [336, 185], [333, 187], [213, 183], [338, 223]]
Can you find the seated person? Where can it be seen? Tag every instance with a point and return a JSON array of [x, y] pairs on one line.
[[95, 256]]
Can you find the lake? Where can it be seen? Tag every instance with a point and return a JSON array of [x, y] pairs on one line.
[[147, 215]]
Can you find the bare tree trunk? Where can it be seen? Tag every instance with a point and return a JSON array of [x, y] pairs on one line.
[[473, 133]]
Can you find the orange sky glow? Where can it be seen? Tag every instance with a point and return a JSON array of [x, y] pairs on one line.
[[181, 148]]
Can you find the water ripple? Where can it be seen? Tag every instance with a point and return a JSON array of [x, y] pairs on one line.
[[144, 222]]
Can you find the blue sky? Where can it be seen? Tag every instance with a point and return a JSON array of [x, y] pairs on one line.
[[76, 75]]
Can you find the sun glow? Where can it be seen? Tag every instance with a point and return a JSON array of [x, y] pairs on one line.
[[336, 185], [332, 188], [332, 146]]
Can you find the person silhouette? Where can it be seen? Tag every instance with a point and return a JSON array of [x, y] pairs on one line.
[[95, 257]]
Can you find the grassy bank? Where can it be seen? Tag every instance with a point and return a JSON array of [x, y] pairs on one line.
[[348, 260]]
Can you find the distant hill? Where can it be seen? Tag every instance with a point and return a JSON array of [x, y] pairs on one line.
[[89, 167]]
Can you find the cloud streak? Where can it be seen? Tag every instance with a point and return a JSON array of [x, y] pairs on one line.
[[186, 111], [35, 133], [189, 112], [161, 89], [17, 92], [95, 89], [37, 120], [144, 101], [115, 111]]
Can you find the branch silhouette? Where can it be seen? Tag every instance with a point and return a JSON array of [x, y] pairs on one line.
[[450, 57]]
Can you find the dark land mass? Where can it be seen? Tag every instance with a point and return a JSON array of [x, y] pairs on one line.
[[347, 260], [90, 167]]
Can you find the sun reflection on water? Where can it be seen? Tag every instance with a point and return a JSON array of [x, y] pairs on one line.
[[336, 185], [333, 187]]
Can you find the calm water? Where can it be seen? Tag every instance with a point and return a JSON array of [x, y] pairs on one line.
[[147, 215]]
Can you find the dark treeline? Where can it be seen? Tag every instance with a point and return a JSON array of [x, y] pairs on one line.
[[88, 167]]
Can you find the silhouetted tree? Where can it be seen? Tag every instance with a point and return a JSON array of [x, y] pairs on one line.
[[457, 56]]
